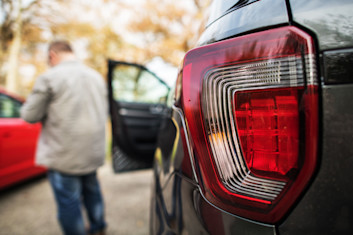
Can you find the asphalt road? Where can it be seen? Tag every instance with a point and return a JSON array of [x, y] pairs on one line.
[[30, 208]]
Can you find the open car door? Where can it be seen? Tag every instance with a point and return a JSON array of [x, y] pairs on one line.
[[137, 99]]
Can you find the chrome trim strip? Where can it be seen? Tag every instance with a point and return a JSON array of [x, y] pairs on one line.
[[190, 150]]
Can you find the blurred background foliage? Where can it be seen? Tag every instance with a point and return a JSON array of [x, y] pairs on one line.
[[130, 30]]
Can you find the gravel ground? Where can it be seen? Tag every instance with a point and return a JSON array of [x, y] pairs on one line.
[[30, 208]]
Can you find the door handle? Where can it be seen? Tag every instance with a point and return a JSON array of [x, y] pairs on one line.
[[6, 135], [157, 109]]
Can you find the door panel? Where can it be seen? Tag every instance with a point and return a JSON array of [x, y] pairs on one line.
[[137, 100], [18, 141]]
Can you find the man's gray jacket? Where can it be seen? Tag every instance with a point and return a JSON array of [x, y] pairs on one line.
[[70, 100]]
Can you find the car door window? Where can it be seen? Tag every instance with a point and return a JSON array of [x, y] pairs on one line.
[[135, 84], [9, 108]]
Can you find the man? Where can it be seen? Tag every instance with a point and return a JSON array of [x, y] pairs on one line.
[[70, 100]]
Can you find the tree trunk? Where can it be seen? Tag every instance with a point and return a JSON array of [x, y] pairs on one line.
[[14, 52]]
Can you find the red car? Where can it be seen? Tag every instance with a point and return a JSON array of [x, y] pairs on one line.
[[18, 141]]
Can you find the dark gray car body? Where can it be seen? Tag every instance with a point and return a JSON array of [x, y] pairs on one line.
[[326, 205]]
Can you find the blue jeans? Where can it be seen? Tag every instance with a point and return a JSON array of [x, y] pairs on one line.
[[70, 191]]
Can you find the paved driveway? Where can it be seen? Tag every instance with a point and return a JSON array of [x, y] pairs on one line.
[[30, 208]]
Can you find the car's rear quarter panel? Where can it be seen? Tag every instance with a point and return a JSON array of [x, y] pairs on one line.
[[327, 205]]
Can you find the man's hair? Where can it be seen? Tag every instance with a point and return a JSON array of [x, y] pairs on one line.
[[60, 46]]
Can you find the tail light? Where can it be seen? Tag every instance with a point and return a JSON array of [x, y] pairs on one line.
[[251, 107]]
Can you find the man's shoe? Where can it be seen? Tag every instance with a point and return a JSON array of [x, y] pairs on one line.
[[101, 232]]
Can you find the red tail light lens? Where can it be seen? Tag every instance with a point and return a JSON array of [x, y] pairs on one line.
[[268, 129], [251, 106]]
